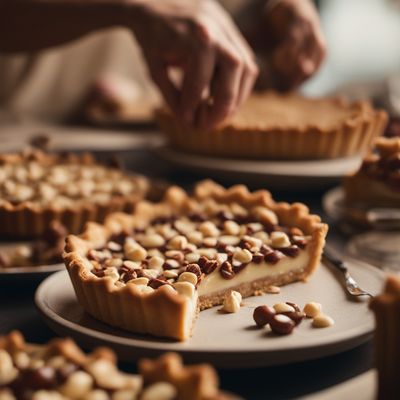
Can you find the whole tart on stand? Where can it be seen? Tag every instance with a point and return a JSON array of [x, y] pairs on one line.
[[283, 126], [60, 370], [152, 271], [37, 188]]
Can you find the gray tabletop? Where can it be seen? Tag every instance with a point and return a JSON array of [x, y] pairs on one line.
[[17, 311]]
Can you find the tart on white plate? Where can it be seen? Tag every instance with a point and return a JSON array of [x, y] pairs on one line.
[[60, 370], [152, 271]]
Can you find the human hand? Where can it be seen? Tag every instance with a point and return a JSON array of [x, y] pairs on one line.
[[200, 39], [287, 37]]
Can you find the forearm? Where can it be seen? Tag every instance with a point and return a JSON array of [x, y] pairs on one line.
[[31, 25]]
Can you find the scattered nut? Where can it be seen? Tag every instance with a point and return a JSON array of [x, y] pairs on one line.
[[262, 315], [281, 324], [322, 321], [232, 302], [273, 290], [312, 309], [243, 256], [283, 308], [178, 242], [139, 281]]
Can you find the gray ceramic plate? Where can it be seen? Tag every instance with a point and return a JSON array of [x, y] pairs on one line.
[[229, 340]]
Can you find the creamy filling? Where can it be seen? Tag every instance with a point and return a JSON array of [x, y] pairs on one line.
[[213, 282]]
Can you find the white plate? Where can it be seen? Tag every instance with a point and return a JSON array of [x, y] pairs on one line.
[[277, 174], [27, 273], [229, 340], [362, 387]]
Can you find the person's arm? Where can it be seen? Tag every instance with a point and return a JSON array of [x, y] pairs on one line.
[[196, 36], [32, 25]]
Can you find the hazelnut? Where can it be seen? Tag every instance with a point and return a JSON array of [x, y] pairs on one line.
[[243, 256], [322, 321], [208, 228], [156, 262], [152, 240], [188, 277], [265, 215], [139, 281], [231, 228], [279, 239], [281, 324], [178, 242], [185, 289], [312, 309], [283, 308], [232, 302], [159, 391], [262, 315]]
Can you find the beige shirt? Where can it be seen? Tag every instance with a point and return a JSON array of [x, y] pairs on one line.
[[53, 83]]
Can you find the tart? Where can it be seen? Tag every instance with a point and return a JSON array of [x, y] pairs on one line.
[[386, 308], [45, 251], [36, 188], [283, 126], [152, 271], [59, 370], [377, 182]]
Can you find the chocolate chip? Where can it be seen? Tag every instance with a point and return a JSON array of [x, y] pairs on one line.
[[98, 272], [258, 258], [224, 216], [244, 244], [65, 371], [129, 275], [240, 267], [265, 249], [262, 315], [226, 270], [156, 283], [301, 243], [291, 251], [281, 324], [39, 378], [194, 269], [273, 257], [221, 247], [197, 217], [209, 266]]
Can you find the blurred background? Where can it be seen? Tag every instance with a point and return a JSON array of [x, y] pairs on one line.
[[363, 59]]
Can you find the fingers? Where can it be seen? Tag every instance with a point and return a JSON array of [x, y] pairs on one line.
[[159, 74], [197, 79]]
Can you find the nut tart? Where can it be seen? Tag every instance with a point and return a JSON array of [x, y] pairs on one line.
[[386, 308], [59, 370], [150, 272], [36, 188], [283, 126], [377, 182]]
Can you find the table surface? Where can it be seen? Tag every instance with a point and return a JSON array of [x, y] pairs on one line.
[[17, 311]]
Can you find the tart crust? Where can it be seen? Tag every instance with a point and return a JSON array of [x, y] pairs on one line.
[[163, 312], [196, 382], [27, 219], [283, 126]]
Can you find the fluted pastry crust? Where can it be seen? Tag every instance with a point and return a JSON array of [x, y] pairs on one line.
[[283, 126], [30, 219], [163, 311]]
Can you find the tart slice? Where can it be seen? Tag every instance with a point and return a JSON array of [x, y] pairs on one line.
[[150, 272], [283, 126], [37, 188], [377, 182], [59, 370]]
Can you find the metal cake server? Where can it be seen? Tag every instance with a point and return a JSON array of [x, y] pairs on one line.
[[351, 285]]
